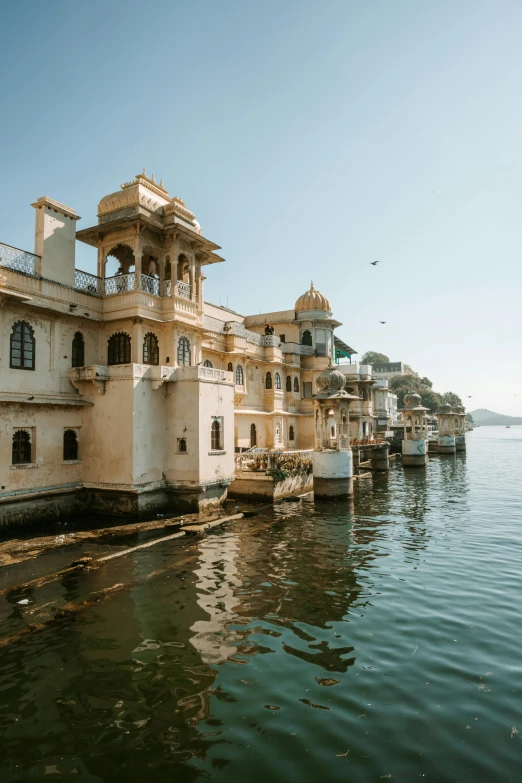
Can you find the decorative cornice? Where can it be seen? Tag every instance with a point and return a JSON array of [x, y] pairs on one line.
[[142, 179], [177, 205], [45, 201]]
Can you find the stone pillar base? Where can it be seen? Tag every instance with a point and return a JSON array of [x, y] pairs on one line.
[[460, 443], [414, 460], [446, 444], [380, 457], [333, 474], [414, 453], [327, 489]]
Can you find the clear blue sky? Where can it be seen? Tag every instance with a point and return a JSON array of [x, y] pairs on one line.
[[309, 139]]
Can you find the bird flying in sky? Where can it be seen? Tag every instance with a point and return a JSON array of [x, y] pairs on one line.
[[382, 322], [374, 263]]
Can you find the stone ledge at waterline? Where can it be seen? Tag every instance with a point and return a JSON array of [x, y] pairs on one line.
[[259, 486]]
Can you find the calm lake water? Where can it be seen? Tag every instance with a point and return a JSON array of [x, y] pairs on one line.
[[360, 642]]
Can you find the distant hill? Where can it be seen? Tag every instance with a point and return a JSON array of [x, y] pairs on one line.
[[491, 419]]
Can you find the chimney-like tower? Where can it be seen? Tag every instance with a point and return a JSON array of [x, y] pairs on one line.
[[55, 236]]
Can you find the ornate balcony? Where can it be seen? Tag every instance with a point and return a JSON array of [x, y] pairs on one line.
[[87, 283], [150, 284], [19, 260], [119, 284], [179, 288]]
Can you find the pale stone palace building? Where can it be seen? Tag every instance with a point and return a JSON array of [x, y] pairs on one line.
[[128, 392]]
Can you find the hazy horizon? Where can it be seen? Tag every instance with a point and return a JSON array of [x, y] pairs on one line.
[[309, 140]]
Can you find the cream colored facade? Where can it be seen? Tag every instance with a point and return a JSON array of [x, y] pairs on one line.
[[128, 393]]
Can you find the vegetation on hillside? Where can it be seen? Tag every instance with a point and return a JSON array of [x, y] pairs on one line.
[[402, 384]]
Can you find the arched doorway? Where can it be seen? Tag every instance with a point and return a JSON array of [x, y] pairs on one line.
[[253, 436]]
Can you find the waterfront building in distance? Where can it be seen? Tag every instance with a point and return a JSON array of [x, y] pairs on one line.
[[126, 391]]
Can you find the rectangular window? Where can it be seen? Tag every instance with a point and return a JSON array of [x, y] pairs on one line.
[[307, 389], [282, 337], [320, 342]]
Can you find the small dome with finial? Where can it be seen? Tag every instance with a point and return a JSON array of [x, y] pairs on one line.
[[445, 408], [312, 300], [411, 400], [330, 380]]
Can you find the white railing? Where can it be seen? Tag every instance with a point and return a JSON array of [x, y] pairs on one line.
[[87, 283], [297, 348], [181, 289], [210, 372], [150, 284], [119, 284], [19, 260]]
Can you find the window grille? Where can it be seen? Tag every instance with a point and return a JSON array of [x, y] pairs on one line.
[[21, 448], [207, 363], [119, 349], [277, 380], [70, 445], [239, 375], [78, 350], [184, 351], [22, 349], [216, 434], [268, 384], [150, 349]]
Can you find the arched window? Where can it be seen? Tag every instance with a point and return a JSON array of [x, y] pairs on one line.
[[277, 380], [119, 349], [78, 350], [70, 445], [268, 383], [22, 347], [253, 436], [216, 434], [306, 338], [184, 351], [296, 384], [289, 383], [150, 349], [207, 363], [291, 433], [239, 375], [182, 445], [230, 367], [21, 448]]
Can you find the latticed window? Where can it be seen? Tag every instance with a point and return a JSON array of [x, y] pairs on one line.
[[216, 434], [277, 379], [184, 351], [150, 349], [119, 349], [22, 347], [70, 445], [78, 350], [296, 384], [288, 383], [21, 448], [207, 363], [268, 384], [239, 375]]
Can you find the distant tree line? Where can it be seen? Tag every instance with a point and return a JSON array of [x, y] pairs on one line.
[[402, 384]]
